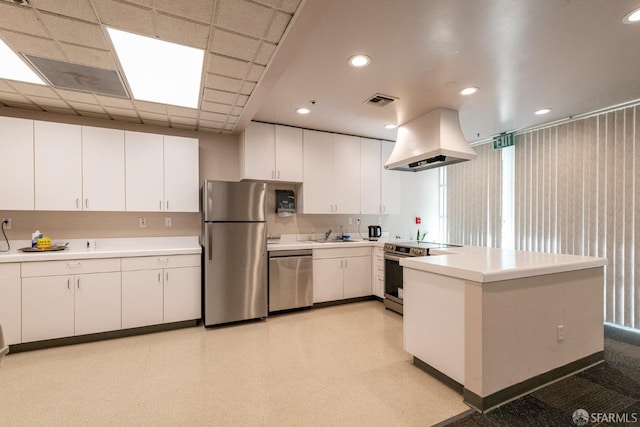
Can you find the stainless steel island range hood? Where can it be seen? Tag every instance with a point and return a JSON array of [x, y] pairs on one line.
[[430, 141]]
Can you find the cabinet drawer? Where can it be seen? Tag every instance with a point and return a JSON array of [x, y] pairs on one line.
[[378, 262], [73, 266], [378, 272], [341, 252], [10, 270], [378, 251], [152, 262]]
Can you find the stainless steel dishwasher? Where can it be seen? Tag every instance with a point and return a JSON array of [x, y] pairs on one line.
[[290, 279]]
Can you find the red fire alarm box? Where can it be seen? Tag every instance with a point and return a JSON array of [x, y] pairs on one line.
[[418, 220]]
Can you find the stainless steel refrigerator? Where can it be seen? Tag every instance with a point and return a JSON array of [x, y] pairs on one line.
[[234, 237]]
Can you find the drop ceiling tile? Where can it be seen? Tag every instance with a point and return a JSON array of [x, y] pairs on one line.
[[243, 17], [242, 100], [126, 16], [21, 19], [232, 120], [25, 43], [87, 108], [34, 89], [127, 119], [214, 107], [210, 125], [265, 53], [4, 87], [236, 111], [247, 88], [111, 101], [183, 126], [60, 110], [13, 97], [89, 56], [175, 110], [230, 67], [187, 121], [121, 112], [270, 3], [80, 9], [74, 31], [278, 25], [228, 84], [182, 31], [234, 45], [289, 6], [94, 115], [229, 127], [218, 96], [256, 72], [160, 123], [48, 102], [145, 115], [213, 117], [198, 10], [71, 95], [152, 107]]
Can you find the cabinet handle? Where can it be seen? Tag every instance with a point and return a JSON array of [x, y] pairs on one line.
[[278, 175], [78, 283], [69, 283], [167, 205], [163, 260], [86, 203], [273, 174], [77, 203], [346, 264], [341, 263], [166, 276], [159, 277], [73, 264], [160, 205]]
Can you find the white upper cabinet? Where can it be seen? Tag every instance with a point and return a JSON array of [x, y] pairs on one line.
[[271, 152], [162, 173], [181, 174], [103, 169], [370, 176], [331, 173], [391, 195], [16, 146], [58, 166]]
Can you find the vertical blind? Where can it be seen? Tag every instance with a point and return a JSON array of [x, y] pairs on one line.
[[577, 192], [473, 189]]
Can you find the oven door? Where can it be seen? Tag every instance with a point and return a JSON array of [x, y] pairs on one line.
[[392, 282]]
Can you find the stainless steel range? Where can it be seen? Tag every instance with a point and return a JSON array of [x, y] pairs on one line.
[[393, 271]]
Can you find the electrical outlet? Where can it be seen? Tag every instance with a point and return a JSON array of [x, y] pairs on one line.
[[379, 220], [143, 222], [167, 221], [560, 333], [358, 220], [350, 221], [7, 223]]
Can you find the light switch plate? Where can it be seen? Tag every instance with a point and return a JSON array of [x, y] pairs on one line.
[[143, 222], [167, 221]]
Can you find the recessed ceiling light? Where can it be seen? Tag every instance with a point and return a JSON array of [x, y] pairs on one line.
[[159, 71], [359, 60], [12, 67], [543, 111], [468, 90], [303, 110], [632, 17], [390, 126]]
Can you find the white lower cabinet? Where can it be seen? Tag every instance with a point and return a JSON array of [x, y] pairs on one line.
[[159, 290], [341, 273], [66, 298], [10, 302]]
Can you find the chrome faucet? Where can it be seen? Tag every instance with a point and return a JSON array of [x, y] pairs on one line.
[[327, 234]]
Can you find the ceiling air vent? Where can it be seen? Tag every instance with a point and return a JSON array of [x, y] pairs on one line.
[[379, 100]]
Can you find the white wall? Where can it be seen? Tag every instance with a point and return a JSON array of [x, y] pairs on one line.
[[420, 199]]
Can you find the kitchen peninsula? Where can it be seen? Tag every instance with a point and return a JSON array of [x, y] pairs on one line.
[[496, 324]]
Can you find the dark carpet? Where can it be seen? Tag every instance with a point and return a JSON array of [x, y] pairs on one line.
[[608, 392]]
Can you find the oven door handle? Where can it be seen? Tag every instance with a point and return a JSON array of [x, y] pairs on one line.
[[393, 257]]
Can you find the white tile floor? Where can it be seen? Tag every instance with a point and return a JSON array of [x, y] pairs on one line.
[[340, 365]]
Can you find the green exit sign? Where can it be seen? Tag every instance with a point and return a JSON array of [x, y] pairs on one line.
[[504, 140]]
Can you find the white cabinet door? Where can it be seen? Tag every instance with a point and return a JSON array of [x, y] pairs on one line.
[[357, 277], [181, 174], [16, 146], [144, 168], [346, 174], [288, 153], [327, 279], [103, 169], [317, 190], [47, 308], [10, 308], [391, 183], [142, 298], [97, 303], [58, 166], [258, 152], [370, 171], [182, 294]]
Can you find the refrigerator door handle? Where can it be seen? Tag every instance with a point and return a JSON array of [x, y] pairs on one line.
[[210, 241]]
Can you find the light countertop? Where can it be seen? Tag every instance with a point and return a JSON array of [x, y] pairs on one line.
[[286, 245], [106, 248], [483, 265]]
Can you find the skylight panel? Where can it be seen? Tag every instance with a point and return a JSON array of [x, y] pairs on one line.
[[159, 71], [12, 67]]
